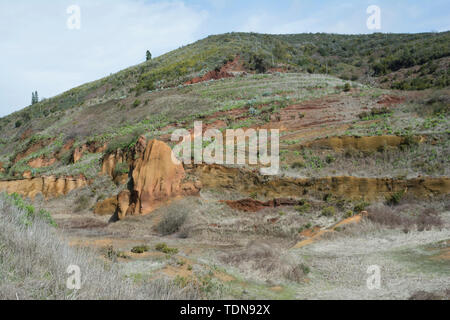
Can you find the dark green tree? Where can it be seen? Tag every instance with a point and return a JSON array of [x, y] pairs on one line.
[[34, 97], [148, 56]]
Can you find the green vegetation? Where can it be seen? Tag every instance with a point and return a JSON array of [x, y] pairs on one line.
[[30, 211], [162, 247], [140, 249], [395, 198], [329, 212]]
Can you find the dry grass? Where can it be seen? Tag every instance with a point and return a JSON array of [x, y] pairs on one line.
[[34, 260], [267, 261], [173, 219], [392, 218]]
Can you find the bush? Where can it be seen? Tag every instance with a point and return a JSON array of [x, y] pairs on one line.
[[303, 208], [375, 113], [347, 87], [395, 198], [360, 207], [427, 220], [30, 212], [328, 212], [259, 62], [136, 103], [297, 273], [172, 221], [121, 168], [140, 249], [18, 123], [330, 159], [349, 214], [386, 216], [162, 247], [298, 165], [82, 203]]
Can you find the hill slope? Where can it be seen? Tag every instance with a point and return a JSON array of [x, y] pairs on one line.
[[360, 161]]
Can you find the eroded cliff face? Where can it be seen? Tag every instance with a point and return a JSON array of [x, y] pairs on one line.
[[370, 143], [248, 182], [110, 161], [155, 179], [49, 187], [87, 148]]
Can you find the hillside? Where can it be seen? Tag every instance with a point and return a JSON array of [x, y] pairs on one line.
[[364, 157]]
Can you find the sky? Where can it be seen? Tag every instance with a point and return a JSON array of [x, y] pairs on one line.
[[46, 47]]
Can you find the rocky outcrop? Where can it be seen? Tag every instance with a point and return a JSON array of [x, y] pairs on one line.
[[31, 148], [369, 143], [229, 70], [106, 207], [49, 187], [41, 162], [90, 147], [110, 161], [123, 204], [157, 179], [252, 205], [248, 182]]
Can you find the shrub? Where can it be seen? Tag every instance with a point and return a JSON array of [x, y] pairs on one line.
[[409, 141], [172, 221], [395, 198], [121, 168], [162, 247], [297, 273], [258, 62], [298, 165], [136, 103], [349, 214], [427, 220], [112, 254], [328, 212], [82, 203], [375, 113], [30, 212], [140, 249], [386, 216], [303, 208], [330, 159], [18, 123], [358, 208], [347, 87], [423, 295]]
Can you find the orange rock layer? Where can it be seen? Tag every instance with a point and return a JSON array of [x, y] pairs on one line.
[[49, 187]]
